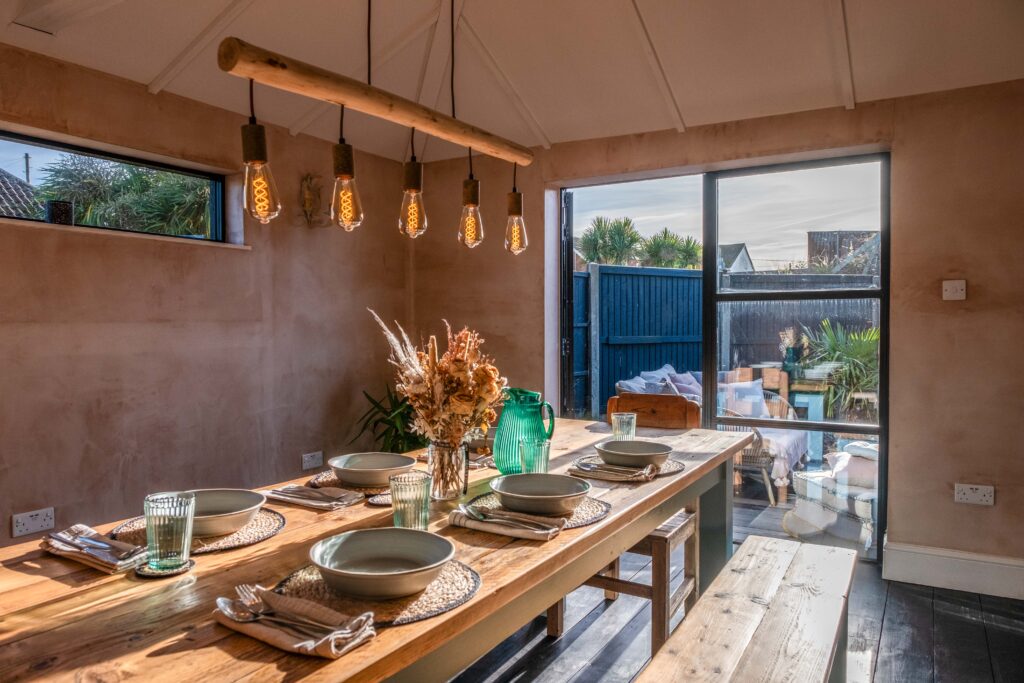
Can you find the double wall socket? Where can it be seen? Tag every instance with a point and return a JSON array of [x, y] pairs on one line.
[[975, 494], [25, 523], [311, 461]]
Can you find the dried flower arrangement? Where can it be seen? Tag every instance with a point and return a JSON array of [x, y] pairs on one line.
[[450, 394], [787, 340]]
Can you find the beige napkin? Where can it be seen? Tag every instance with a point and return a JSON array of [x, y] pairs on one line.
[[96, 558], [342, 497], [456, 518], [351, 632], [646, 474]]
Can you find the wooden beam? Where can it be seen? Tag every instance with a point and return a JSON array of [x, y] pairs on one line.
[[657, 68], [518, 102], [219, 24], [241, 59], [50, 16], [841, 49]]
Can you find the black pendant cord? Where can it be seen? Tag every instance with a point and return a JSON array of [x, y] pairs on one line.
[[369, 68], [412, 144], [515, 167], [252, 103], [451, 74], [341, 126]]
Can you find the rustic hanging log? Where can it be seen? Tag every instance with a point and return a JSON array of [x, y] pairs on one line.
[[269, 68]]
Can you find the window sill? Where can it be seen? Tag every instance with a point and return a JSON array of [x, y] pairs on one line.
[[117, 234]]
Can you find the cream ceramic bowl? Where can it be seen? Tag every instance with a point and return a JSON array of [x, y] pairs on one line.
[[633, 453], [369, 469], [224, 511], [540, 494], [381, 563]]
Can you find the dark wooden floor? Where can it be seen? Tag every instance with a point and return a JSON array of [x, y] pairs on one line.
[[897, 632]]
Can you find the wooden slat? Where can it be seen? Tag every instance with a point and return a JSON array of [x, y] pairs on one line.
[[905, 649], [61, 621]]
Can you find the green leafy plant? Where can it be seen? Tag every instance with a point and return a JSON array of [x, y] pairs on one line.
[[857, 353], [388, 420], [614, 241], [666, 249]]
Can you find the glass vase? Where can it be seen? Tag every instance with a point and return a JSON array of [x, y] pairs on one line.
[[449, 470]]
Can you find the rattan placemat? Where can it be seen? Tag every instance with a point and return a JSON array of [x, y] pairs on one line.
[[380, 500], [589, 511], [264, 525], [455, 585], [329, 478], [669, 468]]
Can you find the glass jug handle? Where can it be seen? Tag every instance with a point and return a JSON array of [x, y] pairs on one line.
[[551, 418]]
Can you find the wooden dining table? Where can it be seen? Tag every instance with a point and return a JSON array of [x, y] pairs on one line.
[[64, 621]]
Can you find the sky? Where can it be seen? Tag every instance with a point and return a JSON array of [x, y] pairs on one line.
[[12, 159], [770, 212]]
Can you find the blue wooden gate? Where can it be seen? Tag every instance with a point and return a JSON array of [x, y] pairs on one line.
[[640, 319]]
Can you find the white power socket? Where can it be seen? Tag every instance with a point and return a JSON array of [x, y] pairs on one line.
[[311, 461], [25, 523], [974, 494]]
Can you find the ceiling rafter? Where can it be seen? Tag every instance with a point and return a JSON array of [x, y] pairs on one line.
[[841, 47], [211, 32], [50, 16], [657, 68], [417, 27], [436, 62], [523, 109]]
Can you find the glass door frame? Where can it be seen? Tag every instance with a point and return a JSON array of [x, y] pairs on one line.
[[712, 298]]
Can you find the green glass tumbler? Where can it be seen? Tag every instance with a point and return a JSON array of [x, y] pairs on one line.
[[533, 455], [410, 499], [169, 528]]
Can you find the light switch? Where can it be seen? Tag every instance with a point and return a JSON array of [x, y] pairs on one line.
[[954, 290]]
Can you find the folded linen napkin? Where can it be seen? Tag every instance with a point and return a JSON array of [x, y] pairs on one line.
[[312, 498], [97, 558], [609, 474], [555, 525], [350, 632]]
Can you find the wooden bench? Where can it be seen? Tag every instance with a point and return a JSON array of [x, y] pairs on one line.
[[776, 612]]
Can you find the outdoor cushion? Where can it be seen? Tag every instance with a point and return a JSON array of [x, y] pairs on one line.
[[853, 469], [744, 398], [631, 386], [685, 383], [659, 375], [864, 449], [854, 501]]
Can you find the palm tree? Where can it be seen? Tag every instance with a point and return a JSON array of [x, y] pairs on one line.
[[610, 240], [692, 253], [666, 249]]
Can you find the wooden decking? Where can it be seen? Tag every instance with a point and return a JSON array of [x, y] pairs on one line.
[[897, 632]]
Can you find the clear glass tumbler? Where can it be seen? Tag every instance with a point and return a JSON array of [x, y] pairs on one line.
[[624, 426], [534, 454], [169, 528], [410, 499]]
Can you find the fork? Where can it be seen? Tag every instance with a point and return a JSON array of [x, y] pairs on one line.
[[250, 597]]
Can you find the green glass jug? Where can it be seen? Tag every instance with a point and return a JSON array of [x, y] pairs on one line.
[[521, 418]]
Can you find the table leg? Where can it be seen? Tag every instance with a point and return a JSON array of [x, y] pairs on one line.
[[715, 526]]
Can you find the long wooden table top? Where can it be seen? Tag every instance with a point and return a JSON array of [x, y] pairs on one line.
[[59, 619]]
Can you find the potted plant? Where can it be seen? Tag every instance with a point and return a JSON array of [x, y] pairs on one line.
[[855, 355]]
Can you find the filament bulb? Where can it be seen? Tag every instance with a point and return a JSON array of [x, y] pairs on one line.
[[346, 207], [261, 200], [471, 226], [412, 219], [515, 235]]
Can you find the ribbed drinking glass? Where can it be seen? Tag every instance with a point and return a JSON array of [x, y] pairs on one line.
[[169, 528], [410, 499], [534, 454], [624, 426]]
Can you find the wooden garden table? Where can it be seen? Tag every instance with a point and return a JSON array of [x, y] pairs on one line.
[[61, 620]]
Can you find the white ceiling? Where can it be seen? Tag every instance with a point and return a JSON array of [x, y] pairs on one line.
[[539, 71]]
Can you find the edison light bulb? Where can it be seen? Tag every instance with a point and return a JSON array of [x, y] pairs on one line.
[[412, 221], [261, 200], [515, 235], [471, 226], [346, 207]]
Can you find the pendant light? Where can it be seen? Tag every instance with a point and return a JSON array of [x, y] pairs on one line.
[[346, 206], [471, 224], [515, 229], [412, 218], [260, 199]]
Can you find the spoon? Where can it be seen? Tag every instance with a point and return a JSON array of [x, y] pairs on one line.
[[236, 610]]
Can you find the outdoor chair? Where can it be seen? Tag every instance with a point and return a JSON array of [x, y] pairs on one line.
[[756, 457], [662, 411]]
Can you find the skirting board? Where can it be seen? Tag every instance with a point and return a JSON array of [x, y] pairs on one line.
[[954, 569]]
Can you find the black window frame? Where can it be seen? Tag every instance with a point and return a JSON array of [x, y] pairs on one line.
[[713, 297], [217, 195]]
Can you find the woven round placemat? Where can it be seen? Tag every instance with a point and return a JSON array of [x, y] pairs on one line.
[[264, 525], [329, 478], [144, 571], [589, 511], [669, 468], [456, 584]]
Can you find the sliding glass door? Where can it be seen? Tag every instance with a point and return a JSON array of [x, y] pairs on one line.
[[795, 345]]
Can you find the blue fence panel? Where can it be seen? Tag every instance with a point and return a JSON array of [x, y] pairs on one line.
[[581, 343]]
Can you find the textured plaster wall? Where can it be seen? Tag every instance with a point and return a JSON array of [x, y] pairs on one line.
[[130, 365], [957, 212]]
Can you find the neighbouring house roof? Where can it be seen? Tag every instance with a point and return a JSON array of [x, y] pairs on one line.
[[17, 198], [735, 257]]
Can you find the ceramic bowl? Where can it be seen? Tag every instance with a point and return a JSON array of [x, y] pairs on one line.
[[224, 511], [633, 453], [381, 563], [369, 469], [540, 494]]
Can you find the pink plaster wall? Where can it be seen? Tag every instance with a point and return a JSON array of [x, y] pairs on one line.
[[957, 212], [130, 365]]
